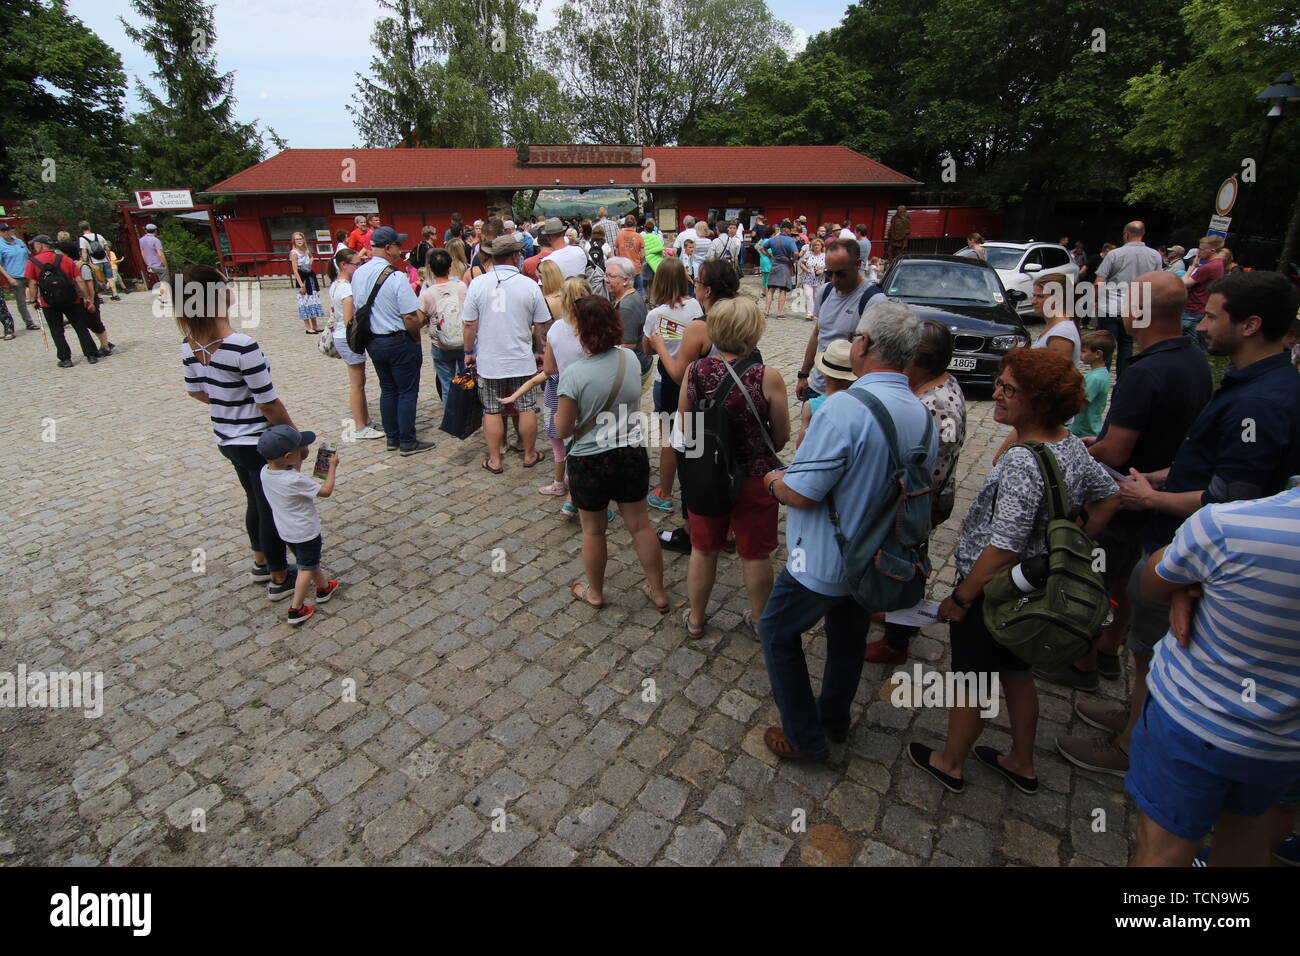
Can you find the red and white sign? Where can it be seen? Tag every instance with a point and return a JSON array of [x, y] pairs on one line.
[[1226, 197], [164, 199]]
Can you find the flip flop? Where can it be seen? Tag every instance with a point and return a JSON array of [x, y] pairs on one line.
[[8, 336], [748, 616], [579, 592], [662, 609], [535, 461], [495, 471]]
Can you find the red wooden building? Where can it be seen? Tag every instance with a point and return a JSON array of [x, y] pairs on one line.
[[319, 191]]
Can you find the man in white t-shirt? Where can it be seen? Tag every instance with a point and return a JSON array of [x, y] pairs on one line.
[[505, 317], [727, 246], [94, 250]]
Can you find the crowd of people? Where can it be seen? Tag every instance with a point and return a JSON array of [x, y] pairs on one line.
[[1188, 490]]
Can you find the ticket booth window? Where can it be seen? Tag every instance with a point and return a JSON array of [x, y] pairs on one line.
[[282, 228]]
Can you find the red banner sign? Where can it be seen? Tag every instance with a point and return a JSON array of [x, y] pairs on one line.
[[580, 155]]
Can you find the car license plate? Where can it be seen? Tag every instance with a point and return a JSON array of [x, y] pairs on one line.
[[961, 364]]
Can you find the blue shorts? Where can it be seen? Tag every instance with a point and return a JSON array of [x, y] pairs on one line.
[[1184, 784], [346, 354], [306, 554]]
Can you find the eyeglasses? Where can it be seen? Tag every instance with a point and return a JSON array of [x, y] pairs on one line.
[[1009, 390]]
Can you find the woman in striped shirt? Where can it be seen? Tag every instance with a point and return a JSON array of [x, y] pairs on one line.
[[227, 371]]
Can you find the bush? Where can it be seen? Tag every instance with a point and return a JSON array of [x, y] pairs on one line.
[[183, 247]]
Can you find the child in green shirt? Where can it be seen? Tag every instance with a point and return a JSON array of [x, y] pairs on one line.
[[1097, 348]]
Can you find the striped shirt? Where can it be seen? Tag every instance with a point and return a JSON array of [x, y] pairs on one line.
[[236, 380], [1237, 684]]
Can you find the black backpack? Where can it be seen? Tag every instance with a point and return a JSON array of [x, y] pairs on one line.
[[358, 332], [710, 473], [94, 247], [55, 286]]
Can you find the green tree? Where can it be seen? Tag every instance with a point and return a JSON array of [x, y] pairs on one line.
[[647, 71], [62, 85], [816, 100], [1197, 121], [187, 137], [457, 73], [61, 188]]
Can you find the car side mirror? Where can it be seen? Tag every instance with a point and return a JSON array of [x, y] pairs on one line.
[[1032, 267], [1016, 295]]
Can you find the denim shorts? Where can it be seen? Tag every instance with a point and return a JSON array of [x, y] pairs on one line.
[[306, 554], [1184, 783], [345, 353]]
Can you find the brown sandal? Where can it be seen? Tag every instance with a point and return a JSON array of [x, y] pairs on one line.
[[579, 592], [661, 608], [778, 743]]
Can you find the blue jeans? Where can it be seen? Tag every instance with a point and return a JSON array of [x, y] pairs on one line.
[[792, 609], [397, 363], [1190, 321], [447, 363]]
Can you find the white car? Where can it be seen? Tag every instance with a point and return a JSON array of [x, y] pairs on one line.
[[1018, 262]]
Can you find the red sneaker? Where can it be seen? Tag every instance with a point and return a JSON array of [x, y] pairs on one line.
[[298, 615], [878, 652], [323, 594]]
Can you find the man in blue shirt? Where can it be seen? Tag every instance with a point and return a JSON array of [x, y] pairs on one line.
[[13, 257], [1219, 744], [395, 320], [844, 454], [1243, 445]]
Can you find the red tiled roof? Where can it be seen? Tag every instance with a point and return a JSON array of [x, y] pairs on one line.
[[380, 170]]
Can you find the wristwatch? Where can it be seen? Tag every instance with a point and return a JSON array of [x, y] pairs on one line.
[[803, 374]]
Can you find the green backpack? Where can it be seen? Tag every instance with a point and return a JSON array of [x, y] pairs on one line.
[[1058, 622]]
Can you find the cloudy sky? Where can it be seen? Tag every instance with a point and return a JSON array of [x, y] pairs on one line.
[[295, 65]]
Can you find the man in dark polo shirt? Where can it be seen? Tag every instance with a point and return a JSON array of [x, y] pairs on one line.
[[1243, 445], [1151, 410]]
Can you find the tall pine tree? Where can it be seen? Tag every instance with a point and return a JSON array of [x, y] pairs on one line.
[[187, 137]]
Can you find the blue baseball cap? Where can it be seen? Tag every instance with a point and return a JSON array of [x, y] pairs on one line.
[[385, 235], [278, 440]]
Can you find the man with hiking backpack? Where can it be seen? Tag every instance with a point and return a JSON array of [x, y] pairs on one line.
[[838, 309], [56, 290], [834, 489], [94, 250]]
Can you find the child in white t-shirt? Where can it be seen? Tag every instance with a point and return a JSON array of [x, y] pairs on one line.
[[292, 497]]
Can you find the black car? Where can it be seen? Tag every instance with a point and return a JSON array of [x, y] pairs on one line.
[[967, 296]]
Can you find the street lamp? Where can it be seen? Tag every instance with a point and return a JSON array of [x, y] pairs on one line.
[[1275, 96]]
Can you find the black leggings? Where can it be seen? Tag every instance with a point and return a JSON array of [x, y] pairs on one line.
[[258, 519]]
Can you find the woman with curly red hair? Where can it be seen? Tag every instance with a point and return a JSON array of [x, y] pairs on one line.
[[598, 410], [1037, 392]]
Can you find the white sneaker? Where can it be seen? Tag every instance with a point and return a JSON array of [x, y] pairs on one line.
[[370, 431]]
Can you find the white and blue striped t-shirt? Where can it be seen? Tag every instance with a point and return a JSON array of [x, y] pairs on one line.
[[237, 379], [1237, 684]]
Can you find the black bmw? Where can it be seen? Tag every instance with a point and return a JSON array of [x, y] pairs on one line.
[[967, 296]]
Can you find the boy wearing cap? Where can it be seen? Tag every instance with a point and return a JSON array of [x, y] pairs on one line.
[[292, 497], [836, 364]]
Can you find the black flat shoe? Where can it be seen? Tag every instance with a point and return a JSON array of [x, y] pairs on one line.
[[989, 757], [919, 754]]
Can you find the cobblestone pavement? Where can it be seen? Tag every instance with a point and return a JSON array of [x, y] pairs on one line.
[[496, 720]]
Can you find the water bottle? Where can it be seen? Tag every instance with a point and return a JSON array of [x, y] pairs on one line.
[[1028, 576]]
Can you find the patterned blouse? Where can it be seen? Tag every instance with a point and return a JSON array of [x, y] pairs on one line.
[[1009, 512], [751, 448], [947, 405]]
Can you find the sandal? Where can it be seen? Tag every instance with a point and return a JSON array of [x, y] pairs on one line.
[[579, 592], [8, 336], [748, 616], [495, 471], [779, 744], [661, 608], [691, 629], [534, 462]]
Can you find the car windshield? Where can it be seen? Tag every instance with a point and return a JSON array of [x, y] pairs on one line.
[[944, 280], [999, 257]]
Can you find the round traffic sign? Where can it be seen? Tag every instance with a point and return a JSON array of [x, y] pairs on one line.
[[1226, 196]]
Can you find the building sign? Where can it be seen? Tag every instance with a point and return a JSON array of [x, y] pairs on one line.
[[1219, 226], [579, 155], [351, 207], [164, 199], [322, 235]]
